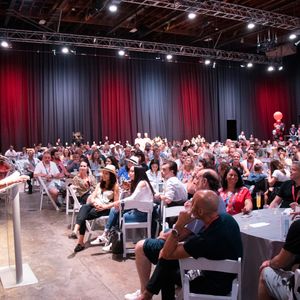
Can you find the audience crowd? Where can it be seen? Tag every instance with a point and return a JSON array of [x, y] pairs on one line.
[[212, 181]]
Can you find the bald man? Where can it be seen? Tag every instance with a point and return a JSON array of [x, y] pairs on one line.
[[147, 251], [219, 239]]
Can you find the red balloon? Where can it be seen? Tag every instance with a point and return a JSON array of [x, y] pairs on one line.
[[277, 116]]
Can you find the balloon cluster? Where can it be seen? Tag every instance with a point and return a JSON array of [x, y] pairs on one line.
[[278, 130]]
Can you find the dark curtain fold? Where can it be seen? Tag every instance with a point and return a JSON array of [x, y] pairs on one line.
[[45, 96]]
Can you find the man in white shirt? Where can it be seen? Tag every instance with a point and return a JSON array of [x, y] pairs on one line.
[[175, 191], [49, 172], [11, 153]]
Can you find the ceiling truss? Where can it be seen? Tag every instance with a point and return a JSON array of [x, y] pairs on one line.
[[56, 38], [226, 10]]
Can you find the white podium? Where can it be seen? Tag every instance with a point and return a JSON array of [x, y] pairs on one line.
[[18, 274]]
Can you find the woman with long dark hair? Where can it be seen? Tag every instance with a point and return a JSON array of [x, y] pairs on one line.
[[236, 196], [141, 192], [106, 192], [96, 163]]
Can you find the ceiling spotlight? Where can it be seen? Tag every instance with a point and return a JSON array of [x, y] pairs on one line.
[[292, 36], [133, 30], [242, 66], [214, 65], [65, 50], [270, 68], [169, 56], [250, 25], [207, 62], [113, 8], [249, 65], [191, 16], [121, 52], [4, 44], [280, 68]]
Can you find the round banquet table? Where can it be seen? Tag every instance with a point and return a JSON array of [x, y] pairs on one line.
[[261, 237]]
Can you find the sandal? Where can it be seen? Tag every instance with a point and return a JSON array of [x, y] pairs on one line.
[[79, 248], [73, 235]]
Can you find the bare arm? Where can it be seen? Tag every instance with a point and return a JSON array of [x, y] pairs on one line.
[[281, 261], [276, 202], [172, 249]]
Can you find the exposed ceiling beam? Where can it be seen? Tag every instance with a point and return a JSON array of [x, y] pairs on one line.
[[56, 38], [128, 18], [226, 10]]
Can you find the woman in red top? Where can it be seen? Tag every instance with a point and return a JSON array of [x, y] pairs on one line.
[[236, 196]]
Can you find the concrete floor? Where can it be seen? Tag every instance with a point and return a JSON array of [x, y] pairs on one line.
[[62, 274]]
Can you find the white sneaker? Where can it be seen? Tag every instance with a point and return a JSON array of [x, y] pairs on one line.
[[133, 296], [101, 239], [107, 248]]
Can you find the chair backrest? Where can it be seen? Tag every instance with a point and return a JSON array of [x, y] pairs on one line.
[[227, 266], [76, 205], [297, 284], [168, 212]]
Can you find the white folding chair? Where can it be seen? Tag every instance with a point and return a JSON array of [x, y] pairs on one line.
[[44, 191], [168, 212], [297, 284], [134, 225], [76, 207], [228, 266]]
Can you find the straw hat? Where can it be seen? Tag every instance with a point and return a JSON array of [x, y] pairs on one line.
[[110, 168], [133, 159]]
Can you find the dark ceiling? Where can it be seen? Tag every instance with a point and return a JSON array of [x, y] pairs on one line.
[[150, 23]]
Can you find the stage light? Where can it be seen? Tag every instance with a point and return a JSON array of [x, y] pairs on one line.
[[249, 65], [207, 62], [169, 56], [113, 8], [4, 44], [250, 25], [242, 66], [214, 65], [192, 16], [280, 68], [270, 69], [65, 50], [121, 52], [292, 36]]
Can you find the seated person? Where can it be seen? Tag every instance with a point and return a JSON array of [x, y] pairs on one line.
[[73, 164], [96, 162], [154, 174], [186, 172], [48, 171], [123, 173], [275, 274], [289, 191], [141, 192], [257, 174], [147, 251], [55, 154], [255, 177], [174, 191], [84, 183], [278, 175], [29, 167], [219, 239], [106, 191], [236, 196], [249, 163]]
